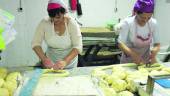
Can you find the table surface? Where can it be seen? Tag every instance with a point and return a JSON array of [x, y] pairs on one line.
[[75, 71], [94, 29]]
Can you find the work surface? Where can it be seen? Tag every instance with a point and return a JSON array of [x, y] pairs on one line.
[[79, 76], [78, 83]]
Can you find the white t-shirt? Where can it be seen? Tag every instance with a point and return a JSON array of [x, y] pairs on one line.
[[127, 29], [45, 31]]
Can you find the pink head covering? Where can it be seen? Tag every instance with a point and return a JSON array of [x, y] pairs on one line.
[[53, 4], [146, 6]]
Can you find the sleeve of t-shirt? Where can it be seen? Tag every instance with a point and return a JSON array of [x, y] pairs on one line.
[[75, 33], [123, 31], [39, 35]]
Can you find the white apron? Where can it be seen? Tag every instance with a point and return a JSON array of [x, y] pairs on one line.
[[140, 45], [61, 48]]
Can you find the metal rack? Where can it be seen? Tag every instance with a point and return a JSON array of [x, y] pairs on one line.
[[96, 43]]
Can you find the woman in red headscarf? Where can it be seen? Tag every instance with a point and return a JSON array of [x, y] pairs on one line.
[[138, 33], [62, 35]]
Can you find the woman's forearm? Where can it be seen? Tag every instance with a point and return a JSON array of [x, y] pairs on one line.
[[134, 55], [154, 52], [126, 50], [39, 51], [156, 47]]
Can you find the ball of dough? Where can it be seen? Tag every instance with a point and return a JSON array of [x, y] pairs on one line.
[[125, 93], [109, 92], [13, 76], [3, 72], [1, 82], [4, 92]]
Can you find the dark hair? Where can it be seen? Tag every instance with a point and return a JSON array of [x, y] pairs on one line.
[[139, 12], [53, 12]]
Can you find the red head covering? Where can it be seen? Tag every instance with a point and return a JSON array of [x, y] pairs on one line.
[[53, 4]]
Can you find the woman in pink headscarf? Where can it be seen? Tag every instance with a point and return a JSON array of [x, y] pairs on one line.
[[62, 35], [138, 37]]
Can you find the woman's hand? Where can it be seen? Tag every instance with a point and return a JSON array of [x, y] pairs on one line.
[[60, 65], [154, 52], [153, 57], [137, 58], [47, 63], [153, 60]]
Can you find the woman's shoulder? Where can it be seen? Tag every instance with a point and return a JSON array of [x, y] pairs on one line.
[[153, 21], [128, 21], [70, 20], [45, 20]]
